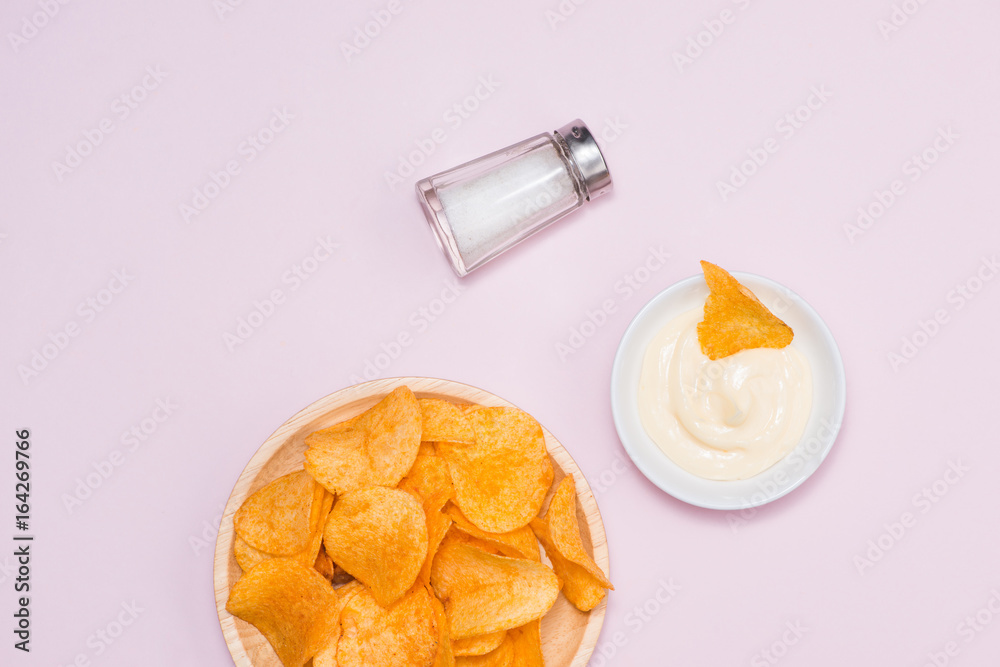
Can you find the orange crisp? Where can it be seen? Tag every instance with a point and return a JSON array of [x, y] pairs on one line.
[[735, 319]]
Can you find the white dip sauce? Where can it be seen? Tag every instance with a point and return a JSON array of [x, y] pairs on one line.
[[727, 419]]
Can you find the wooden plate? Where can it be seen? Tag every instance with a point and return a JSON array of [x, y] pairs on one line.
[[568, 635]]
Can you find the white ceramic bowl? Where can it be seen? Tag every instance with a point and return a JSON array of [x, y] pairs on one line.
[[812, 338]]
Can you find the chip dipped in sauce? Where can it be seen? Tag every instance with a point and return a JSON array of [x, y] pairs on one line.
[[729, 417]]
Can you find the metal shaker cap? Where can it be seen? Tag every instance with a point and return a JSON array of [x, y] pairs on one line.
[[582, 149]]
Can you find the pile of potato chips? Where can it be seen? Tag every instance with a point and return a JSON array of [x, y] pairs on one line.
[[735, 319], [411, 538]]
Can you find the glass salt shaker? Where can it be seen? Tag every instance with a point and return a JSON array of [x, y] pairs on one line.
[[481, 208]]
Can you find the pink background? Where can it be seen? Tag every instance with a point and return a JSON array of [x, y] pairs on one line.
[[670, 132]]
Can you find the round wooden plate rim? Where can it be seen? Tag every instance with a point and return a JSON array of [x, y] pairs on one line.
[[369, 390]]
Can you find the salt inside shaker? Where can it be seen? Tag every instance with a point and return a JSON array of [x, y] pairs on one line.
[[481, 208]]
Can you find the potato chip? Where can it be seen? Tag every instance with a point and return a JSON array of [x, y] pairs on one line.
[[246, 556], [438, 524], [456, 535], [583, 580], [502, 656], [444, 421], [276, 518], [444, 657], [344, 592], [520, 543], [580, 587], [378, 535], [324, 565], [377, 448], [484, 593], [527, 641], [318, 522], [501, 480], [426, 449], [564, 526], [327, 656], [321, 504], [478, 645], [429, 478], [403, 634], [735, 319], [291, 606]]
